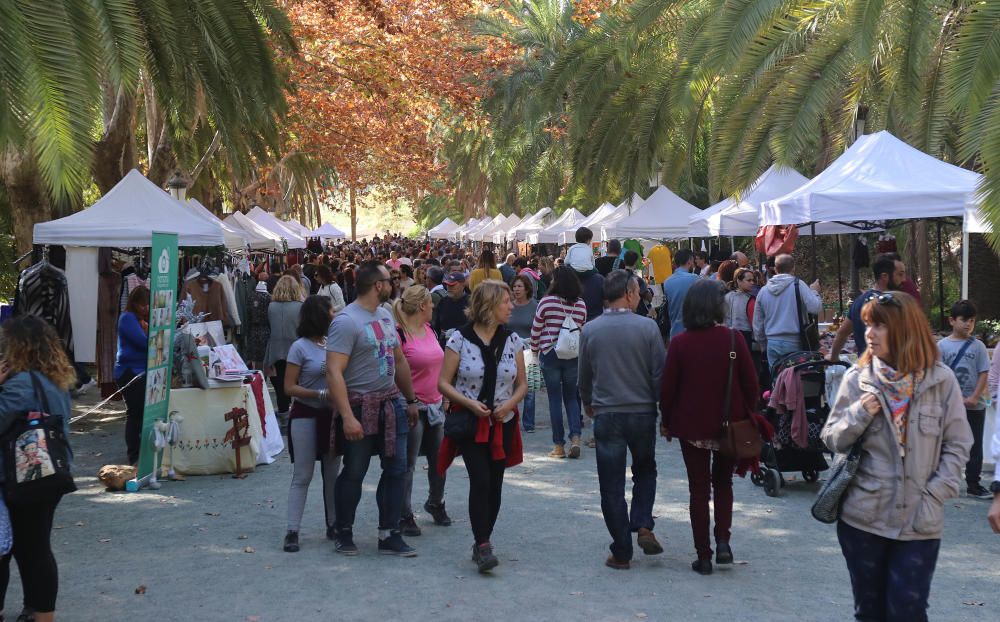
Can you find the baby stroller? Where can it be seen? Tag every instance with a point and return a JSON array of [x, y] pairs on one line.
[[783, 453]]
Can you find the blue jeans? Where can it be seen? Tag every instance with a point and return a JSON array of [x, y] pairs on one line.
[[891, 579], [528, 411], [560, 385], [357, 457], [615, 433], [777, 348]]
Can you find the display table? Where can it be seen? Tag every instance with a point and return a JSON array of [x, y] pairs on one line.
[[204, 448]]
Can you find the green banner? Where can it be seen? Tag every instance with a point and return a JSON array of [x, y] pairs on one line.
[[159, 362]]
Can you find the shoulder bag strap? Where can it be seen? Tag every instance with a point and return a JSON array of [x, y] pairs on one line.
[[40, 392], [727, 403], [961, 352], [798, 310]]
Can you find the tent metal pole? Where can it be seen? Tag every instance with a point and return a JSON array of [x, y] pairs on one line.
[[840, 279], [965, 262], [940, 277], [812, 232]]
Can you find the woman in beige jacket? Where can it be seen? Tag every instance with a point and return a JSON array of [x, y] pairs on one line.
[[905, 408]]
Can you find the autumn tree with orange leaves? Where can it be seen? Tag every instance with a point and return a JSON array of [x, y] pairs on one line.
[[373, 83]]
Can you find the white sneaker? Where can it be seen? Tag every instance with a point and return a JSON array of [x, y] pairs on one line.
[[83, 388]]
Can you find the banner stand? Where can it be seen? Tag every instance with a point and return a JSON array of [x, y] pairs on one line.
[[159, 360]]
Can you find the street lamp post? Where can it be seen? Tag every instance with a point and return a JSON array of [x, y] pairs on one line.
[[178, 186]]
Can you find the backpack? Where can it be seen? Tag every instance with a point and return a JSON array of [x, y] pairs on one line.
[[663, 318], [568, 342]]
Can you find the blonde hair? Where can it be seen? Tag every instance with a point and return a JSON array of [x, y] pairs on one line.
[[409, 303], [31, 344], [484, 301], [287, 289], [911, 345]]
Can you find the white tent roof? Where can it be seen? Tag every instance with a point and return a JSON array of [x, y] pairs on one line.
[[234, 237], [298, 228], [486, 233], [127, 216], [592, 222], [327, 232], [742, 217], [878, 178], [663, 216], [257, 236], [500, 235], [484, 225], [529, 224], [469, 225], [268, 221], [637, 202], [444, 229], [568, 221]]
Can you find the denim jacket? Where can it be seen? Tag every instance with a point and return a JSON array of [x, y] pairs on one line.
[[17, 397]]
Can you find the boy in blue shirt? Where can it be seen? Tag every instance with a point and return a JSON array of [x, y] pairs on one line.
[[968, 358]]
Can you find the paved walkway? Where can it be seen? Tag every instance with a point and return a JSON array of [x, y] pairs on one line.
[[210, 549]]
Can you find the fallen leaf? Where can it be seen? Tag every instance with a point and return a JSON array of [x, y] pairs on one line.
[[249, 549], [243, 537], [104, 540], [973, 603], [641, 616], [57, 526], [80, 524], [576, 593], [211, 513], [141, 589], [741, 563]]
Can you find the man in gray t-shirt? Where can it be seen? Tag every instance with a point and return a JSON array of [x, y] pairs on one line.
[[366, 372]]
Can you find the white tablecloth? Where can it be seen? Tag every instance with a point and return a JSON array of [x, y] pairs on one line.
[[202, 449]]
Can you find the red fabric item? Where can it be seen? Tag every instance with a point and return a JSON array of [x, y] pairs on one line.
[[776, 239], [910, 288], [788, 397], [752, 465], [449, 448], [710, 476], [692, 392], [257, 386]]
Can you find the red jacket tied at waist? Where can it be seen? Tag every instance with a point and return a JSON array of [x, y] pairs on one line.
[[371, 404], [449, 449]]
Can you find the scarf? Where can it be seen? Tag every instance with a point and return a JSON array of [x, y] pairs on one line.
[[531, 274], [898, 388]]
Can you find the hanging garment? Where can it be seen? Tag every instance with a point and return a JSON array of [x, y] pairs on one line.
[[886, 244], [209, 298], [861, 256], [661, 259], [259, 330], [42, 290], [229, 296], [776, 239]]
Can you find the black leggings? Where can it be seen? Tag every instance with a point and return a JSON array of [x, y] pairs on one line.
[[32, 526], [278, 382], [485, 483], [135, 399]]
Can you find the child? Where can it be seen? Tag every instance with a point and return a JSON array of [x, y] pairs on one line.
[[967, 357], [581, 256]]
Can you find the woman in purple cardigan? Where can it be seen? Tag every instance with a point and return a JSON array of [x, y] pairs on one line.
[[691, 402]]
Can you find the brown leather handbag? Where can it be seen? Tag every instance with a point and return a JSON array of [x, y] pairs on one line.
[[740, 439]]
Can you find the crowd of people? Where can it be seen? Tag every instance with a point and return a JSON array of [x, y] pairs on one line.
[[401, 348]]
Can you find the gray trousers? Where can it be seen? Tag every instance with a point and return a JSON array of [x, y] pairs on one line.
[[303, 436], [434, 435]]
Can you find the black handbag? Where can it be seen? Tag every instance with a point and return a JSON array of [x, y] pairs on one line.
[[460, 424], [36, 455], [808, 323]]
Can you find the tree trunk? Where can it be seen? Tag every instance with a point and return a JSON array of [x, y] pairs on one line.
[[163, 162], [114, 153], [984, 277], [354, 216], [29, 201]]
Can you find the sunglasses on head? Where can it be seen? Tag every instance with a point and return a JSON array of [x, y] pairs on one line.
[[888, 299]]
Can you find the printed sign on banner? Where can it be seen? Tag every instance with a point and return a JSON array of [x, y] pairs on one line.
[[159, 362]]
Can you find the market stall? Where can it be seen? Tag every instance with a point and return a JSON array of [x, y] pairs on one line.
[[663, 216], [258, 237], [269, 222], [235, 238], [741, 216], [328, 232], [443, 230], [529, 225], [568, 222]]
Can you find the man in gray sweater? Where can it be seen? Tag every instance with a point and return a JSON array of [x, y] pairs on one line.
[[621, 361], [775, 321]]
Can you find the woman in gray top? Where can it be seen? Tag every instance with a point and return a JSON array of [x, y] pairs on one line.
[[520, 322], [737, 306], [283, 317], [311, 416]]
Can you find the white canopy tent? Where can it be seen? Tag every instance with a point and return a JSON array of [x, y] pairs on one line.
[[878, 178], [568, 221], [234, 237], [499, 235], [443, 230], [594, 220], [327, 232], [484, 225], [298, 228], [268, 221], [529, 225], [732, 217], [663, 216], [127, 216], [636, 202], [486, 233], [468, 225], [258, 237]]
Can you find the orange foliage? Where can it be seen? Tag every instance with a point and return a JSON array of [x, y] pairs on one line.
[[375, 81]]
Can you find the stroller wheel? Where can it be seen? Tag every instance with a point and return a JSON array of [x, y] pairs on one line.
[[772, 483], [810, 475], [757, 478]]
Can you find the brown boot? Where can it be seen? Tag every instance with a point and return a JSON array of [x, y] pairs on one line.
[[617, 564], [648, 543], [574, 447], [557, 452]]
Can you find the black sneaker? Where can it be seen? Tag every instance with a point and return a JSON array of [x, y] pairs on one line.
[[979, 492], [702, 566], [408, 525], [331, 533], [292, 542], [395, 545], [345, 543], [483, 555], [723, 553], [436, 510]]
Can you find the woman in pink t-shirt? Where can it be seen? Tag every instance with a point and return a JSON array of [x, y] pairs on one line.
[[420, 346]]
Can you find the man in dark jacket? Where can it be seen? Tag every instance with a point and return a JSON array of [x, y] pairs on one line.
[[449, 313]]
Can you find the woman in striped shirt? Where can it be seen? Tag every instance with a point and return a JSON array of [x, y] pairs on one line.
[[563, 299]]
